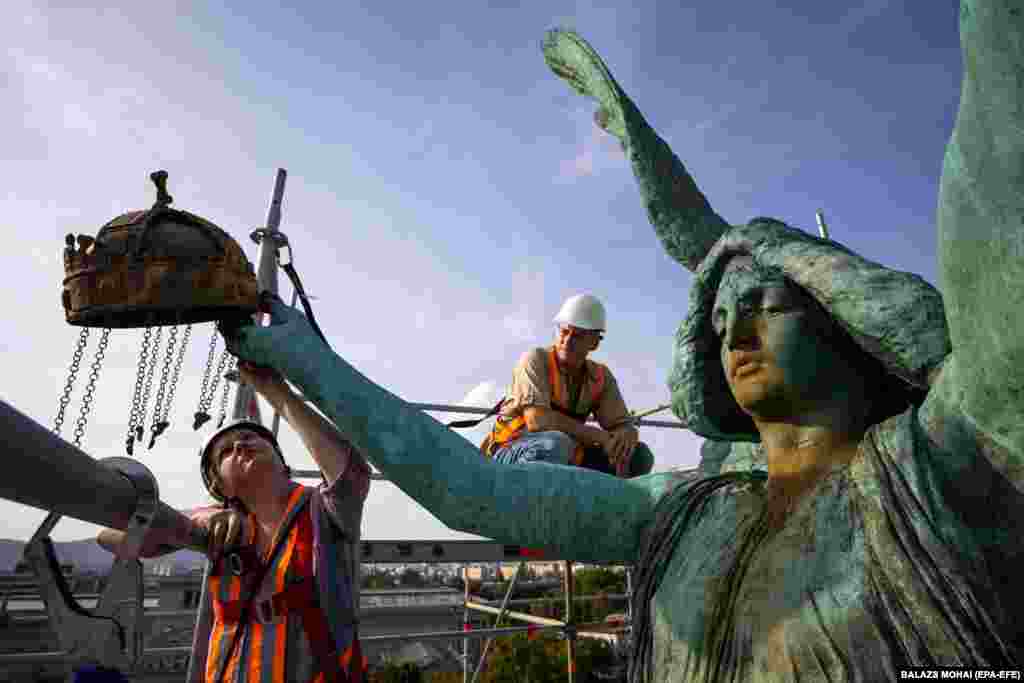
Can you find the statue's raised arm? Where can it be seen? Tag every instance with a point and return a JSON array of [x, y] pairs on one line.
[[681, 215], [981, 238]]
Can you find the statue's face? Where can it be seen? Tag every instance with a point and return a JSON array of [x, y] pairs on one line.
[[776, 359]]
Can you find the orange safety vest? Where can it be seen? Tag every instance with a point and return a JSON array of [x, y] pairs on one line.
[[264, 633], [506, 431]]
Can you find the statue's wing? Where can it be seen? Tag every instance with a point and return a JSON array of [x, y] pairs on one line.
[[682, 217]]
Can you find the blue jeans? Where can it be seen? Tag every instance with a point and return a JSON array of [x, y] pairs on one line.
[[555, 448]]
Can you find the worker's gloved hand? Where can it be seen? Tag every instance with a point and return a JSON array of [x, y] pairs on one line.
[[225, 534], [289, 331], [267, 382]]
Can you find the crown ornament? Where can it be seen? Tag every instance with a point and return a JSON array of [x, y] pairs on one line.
[[157, 267]]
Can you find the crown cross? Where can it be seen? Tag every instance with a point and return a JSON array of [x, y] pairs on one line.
[[159, 179]]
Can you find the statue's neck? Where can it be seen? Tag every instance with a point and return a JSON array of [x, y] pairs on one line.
[[797, 465]]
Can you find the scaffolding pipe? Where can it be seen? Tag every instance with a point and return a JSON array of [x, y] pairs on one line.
[[269, 240], [465, 624], [497, 620], [61, 656], [44, 471], [570, 617], [512, 614], [473, 410], [819, 216]]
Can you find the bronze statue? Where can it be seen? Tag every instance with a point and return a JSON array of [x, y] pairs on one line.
[[886, 531]]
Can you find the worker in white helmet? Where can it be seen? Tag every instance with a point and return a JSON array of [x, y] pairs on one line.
[[555, 390]]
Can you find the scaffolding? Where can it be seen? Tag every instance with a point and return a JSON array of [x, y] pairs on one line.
[[105, 497]]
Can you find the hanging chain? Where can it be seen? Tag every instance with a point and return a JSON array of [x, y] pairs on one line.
[[76, 359], [159, 426], [222, 364], [135, 418], [202, 416], [177, 373], [154, 353], [90, 388], [232, 367]]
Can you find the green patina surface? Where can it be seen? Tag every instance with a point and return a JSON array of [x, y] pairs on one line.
[[909, 554]]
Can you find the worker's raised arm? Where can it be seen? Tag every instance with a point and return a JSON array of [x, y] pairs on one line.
[[981, 237], [682, 217], [333, 454], [574, 513]]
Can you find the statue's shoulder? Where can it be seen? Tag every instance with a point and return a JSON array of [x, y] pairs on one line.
[[698, 485], [701, 507]]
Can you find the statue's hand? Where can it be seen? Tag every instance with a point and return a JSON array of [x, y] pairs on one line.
[[288, 331], [576, 62], [681, 215]]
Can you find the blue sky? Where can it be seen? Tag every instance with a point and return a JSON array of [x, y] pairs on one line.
[[446, 192]]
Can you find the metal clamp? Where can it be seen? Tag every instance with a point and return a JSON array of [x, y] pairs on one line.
[[145, 505], [111, 635], [279, 238]]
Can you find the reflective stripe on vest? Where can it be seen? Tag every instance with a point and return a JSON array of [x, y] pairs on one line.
[[506, 431], [260, 656]]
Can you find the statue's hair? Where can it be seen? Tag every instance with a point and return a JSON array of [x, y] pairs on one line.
[[892, 323]]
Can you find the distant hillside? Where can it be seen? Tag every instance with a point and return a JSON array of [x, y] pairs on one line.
[[87, 555], [10, 554]]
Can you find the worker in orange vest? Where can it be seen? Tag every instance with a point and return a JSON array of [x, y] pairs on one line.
[[554, 391], [282, 592]]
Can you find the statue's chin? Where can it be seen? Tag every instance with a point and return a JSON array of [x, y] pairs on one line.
[[763, 402]]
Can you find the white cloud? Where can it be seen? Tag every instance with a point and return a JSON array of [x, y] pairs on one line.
[[483, 395], [520, 325], [594, 152], [862, 14]]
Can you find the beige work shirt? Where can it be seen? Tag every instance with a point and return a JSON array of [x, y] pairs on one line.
[[531, 387]]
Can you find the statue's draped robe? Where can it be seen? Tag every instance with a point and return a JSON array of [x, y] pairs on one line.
[[910, 555]]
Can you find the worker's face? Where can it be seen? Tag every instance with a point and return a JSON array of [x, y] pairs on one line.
[[241, 458], [572, 344], [774, 348]]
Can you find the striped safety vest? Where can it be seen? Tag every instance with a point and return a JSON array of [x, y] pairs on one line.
[[507, 430], [253, 651]]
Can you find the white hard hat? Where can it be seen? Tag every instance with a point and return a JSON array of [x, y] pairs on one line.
[[583, 311]]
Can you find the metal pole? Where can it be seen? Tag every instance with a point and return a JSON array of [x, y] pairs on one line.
[[60, 656], [44, 471], [652, 411], [442, 408], [497, 620], [819, 216], [512, 614], [629, 597], [275, 423], [570, 635], [465, 625], [268, 239]]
